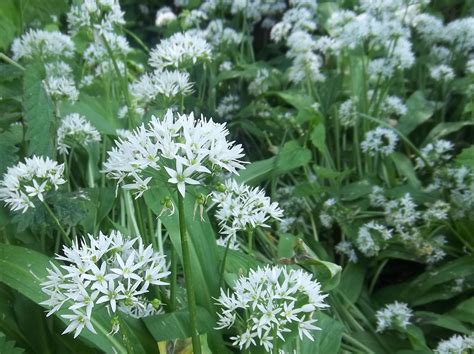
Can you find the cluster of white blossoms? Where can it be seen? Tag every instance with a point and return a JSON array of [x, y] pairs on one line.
[[165, 83], [261, 82], [73, 130], [97, 56], [44, 44], [180, 50], [186, 148], [457, 344], [228, 106], [393, 316], [380, 140], [107, 270], [240, 207], [99, 15], [164, 16], [442, 73], [296, 29], [218, 34], [435, 153], [346, 248], [372, 238], [28, 181], [59, 82], [269, 305]]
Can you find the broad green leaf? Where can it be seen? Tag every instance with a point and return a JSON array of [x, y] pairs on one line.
[[416, 337], [101, 116], [327, 340], [355, 190], [302, 103], [176, 325], [291, 156], [405, 168], [443, 129], [318, 137], [352, 280], [8, 347], [39, 114], [464, 311], [24, 270], [444, 321], [327, 273], [466, 157], [8, 147], [419, 110]]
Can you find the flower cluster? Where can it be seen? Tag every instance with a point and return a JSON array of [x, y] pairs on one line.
[[29, 181], [269, 305], [59, 82], [240, 207], [393, 316], [112, 270], [186, 148], [39, 43], [380, 140], [99, 15], [455, 345], [435, 153], [168, 84], [75, 129], [180, 50], [372, 237]]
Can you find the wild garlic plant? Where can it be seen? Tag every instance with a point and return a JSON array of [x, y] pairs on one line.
[[232, 168]]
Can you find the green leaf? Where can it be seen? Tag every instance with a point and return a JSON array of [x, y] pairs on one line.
[[443, 129], [291, 156], [8, 347], [416, 337], [24, 270], [328, 340], [100, 115], [405, 168], [464, 311], [318, 138], [302, 103], [8, 147], [352, 280], [177, 325], [419, 110], [466, 157], [39, 114], [443, 321], [327, 273]]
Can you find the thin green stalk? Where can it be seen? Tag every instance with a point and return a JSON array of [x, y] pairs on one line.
[[188, 275], [174, 279], [66, 238], [356, 343], [11, 61], [376, 275], [224, 259]]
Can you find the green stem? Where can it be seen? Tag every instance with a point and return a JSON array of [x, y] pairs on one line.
[[188, 275], [376, 275], [11, 61], [66, 238], [356, 343], [174, 279]]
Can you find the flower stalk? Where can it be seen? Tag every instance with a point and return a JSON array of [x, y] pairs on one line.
[[188, 275]]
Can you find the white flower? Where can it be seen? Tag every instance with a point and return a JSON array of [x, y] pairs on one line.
[[261, 82], [28, 180], [189, 150], [164, 16], [39, 43], [161, 83], [101, 16], [371, 238], [240, 207], [392, 316], [457, 344], [272, 302], [228, 106], [107, 270], [380, 140], [347, 248], [435, 153], [179, 50], [75, 129], [442, 73], [59, 87]]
